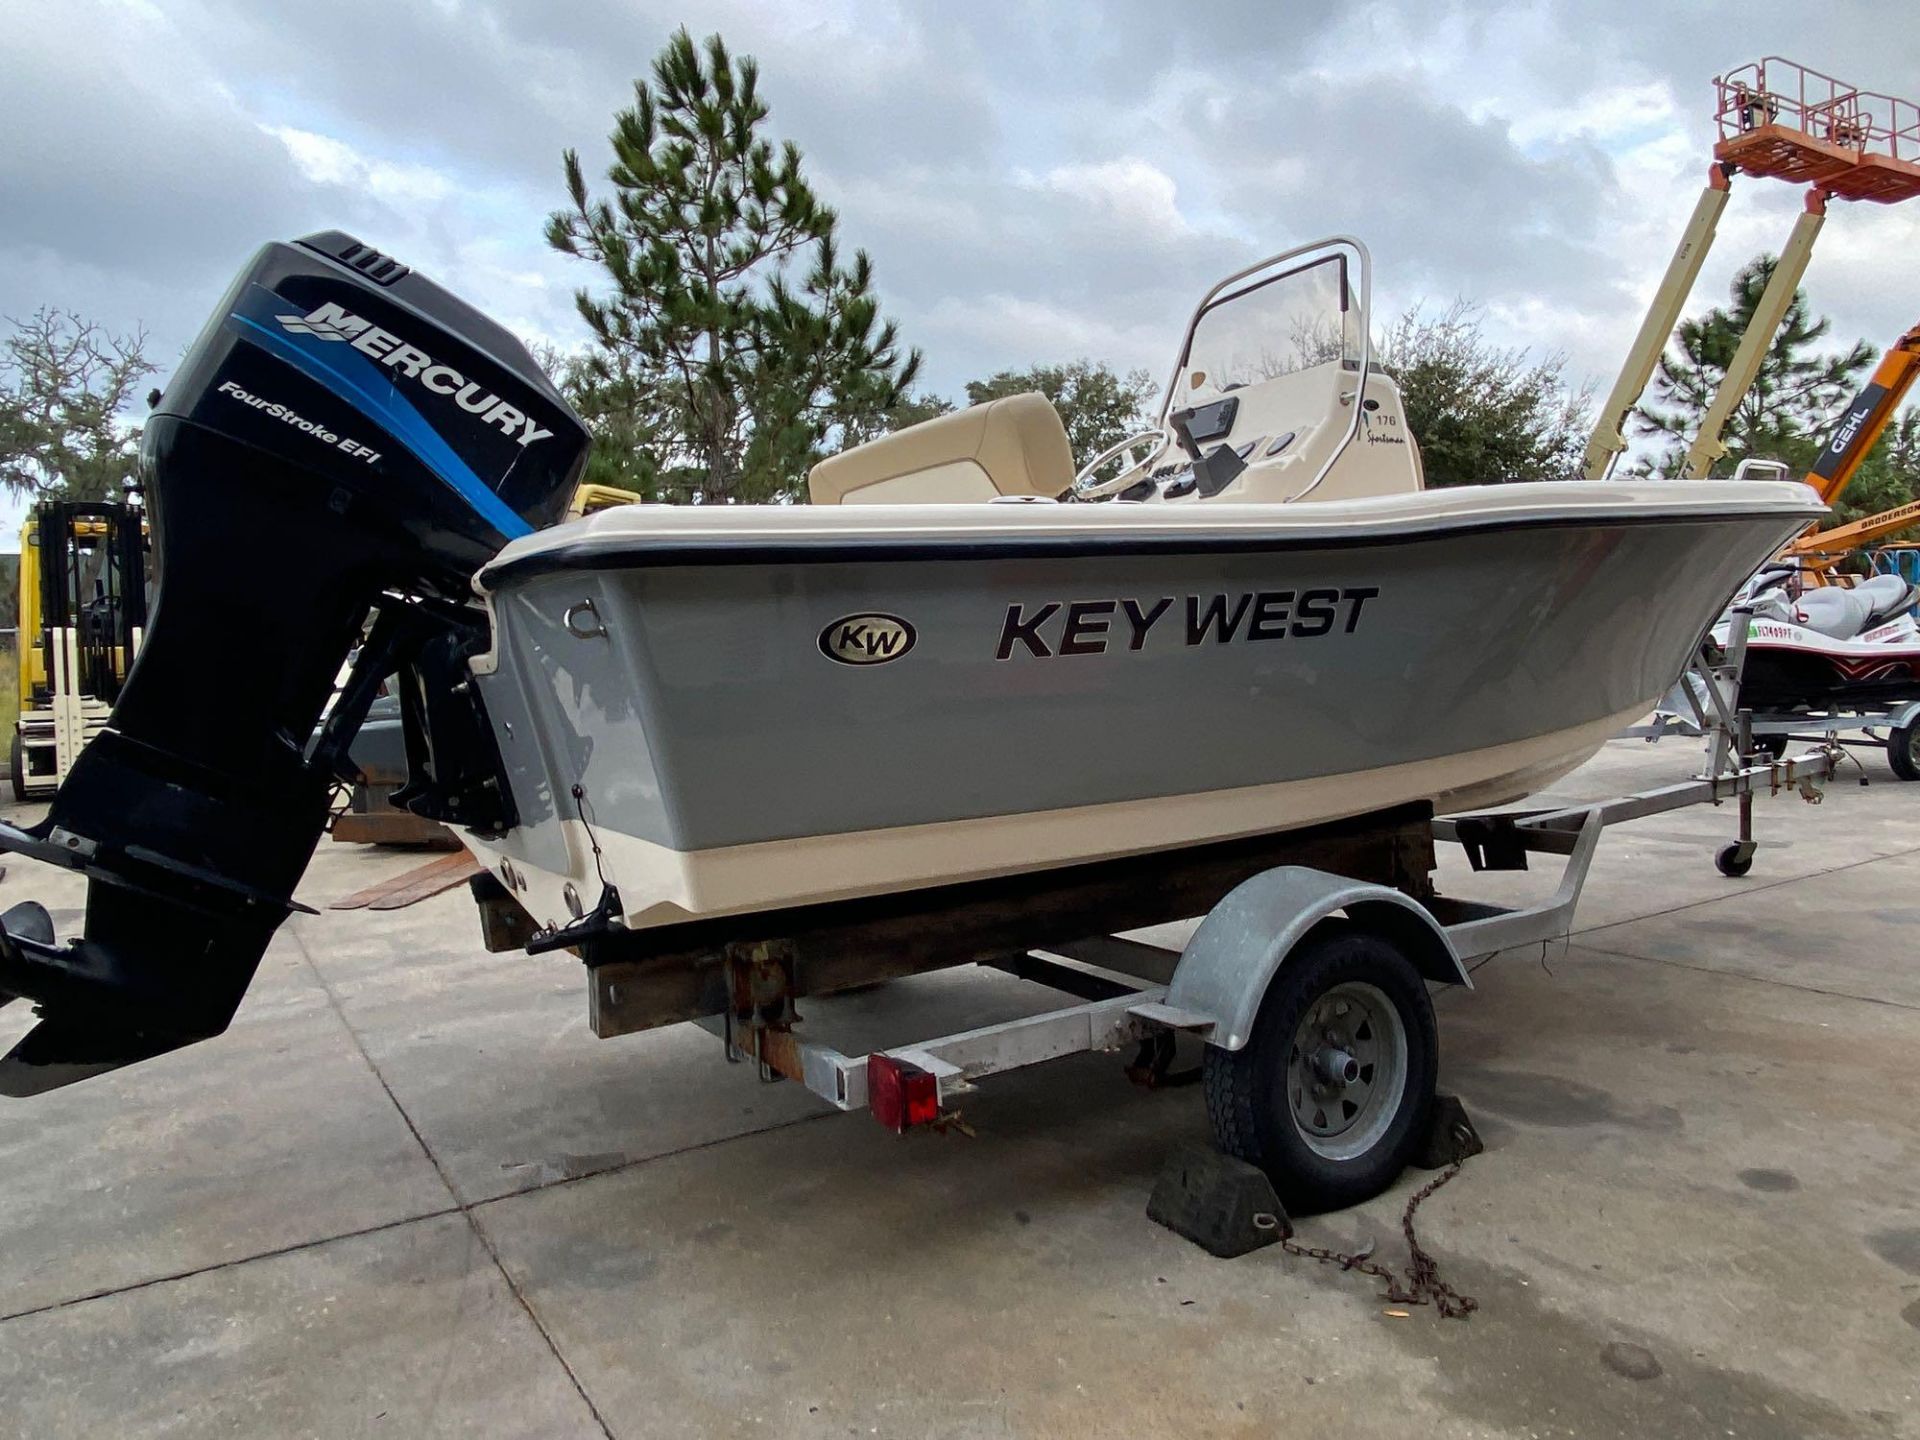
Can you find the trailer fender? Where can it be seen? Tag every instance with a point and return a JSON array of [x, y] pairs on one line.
[[1245, 939], [1904, 716]]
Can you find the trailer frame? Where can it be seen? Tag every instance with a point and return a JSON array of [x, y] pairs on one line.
[[1128, 991], [1265, 939]]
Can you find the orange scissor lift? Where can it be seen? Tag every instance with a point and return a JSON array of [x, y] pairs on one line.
[[1780, 120]]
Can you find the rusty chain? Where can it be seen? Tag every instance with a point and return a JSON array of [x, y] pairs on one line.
[[1423, 1284]]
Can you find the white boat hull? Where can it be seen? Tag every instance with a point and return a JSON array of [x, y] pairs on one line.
[[660, 682]]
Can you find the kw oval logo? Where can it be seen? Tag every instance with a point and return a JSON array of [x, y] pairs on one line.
[[869, 639]]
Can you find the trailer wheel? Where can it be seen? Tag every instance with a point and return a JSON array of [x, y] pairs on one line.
[[1332, 1088], [1733, 859], [1774, 747], [17, 764], [1903, 751]]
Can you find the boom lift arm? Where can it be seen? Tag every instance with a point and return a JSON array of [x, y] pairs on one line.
[[1757, 339], [1869, 414], [1824, 549], [1609, 437], [1818, 551]]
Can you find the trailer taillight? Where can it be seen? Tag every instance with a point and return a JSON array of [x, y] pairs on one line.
[[901, 1094]]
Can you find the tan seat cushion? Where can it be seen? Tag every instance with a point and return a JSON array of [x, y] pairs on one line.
[[1012, 446]]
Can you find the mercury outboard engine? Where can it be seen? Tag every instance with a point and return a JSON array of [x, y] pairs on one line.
[[343, 446]]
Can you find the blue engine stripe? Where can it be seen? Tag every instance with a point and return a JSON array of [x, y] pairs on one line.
[[374, 394]]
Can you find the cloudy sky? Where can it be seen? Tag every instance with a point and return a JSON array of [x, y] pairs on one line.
[[1034, 182]]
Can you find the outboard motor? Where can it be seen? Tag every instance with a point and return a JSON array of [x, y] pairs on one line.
[[343, 446]]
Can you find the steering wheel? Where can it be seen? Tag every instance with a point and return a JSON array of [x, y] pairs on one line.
[[1085, 487]]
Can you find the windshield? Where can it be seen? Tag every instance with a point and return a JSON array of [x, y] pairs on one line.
[[1271, 327]]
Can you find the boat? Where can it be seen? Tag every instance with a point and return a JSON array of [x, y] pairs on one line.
[[966, 659], [971, 689], [1044, 685]]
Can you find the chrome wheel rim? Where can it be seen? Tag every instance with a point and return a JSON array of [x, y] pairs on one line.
[[1347, 1071]]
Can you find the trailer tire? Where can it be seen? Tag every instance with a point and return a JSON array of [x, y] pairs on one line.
[[1903, 751], [17, 765], [1263, 1113]]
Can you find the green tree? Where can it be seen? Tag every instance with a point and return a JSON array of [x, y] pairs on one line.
[[64, 382], [733, 340], [1890, 474], [1099, 406], [617, 410], [1798, 392], [1482, 413], [910, 409]]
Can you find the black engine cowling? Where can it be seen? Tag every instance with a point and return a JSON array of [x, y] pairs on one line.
[[344, 439]]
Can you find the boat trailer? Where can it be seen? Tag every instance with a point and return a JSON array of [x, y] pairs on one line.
[[1307, 978], [1131, 991]]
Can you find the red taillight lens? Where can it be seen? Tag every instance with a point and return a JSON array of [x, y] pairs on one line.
[[901, 1094]]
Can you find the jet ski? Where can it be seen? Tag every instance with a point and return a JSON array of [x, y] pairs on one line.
[[966, 658], [1830, 647]]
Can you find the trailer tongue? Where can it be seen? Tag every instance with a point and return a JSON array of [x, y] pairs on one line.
[[345, 442]]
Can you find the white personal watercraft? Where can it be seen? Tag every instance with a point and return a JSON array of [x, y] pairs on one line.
[[1831, 646]]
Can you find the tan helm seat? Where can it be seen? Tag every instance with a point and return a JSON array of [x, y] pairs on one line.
[[1012, 446]]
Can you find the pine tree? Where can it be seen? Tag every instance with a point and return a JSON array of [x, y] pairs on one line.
[[733, 337], [1794, 398], [603, 391], [1890, 474]]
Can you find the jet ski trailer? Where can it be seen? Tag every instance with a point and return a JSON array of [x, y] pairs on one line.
[[733, 756]]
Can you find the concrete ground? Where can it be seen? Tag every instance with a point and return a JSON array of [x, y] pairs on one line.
[[408, 1194]]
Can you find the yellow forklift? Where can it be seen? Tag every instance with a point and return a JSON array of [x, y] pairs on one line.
[[83, 610]]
